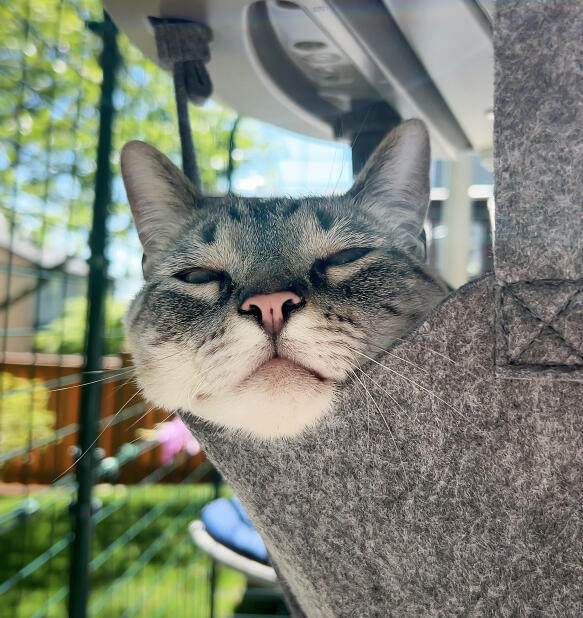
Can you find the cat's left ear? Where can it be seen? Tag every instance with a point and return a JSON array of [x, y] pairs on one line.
[[394, 183], [162, 199]]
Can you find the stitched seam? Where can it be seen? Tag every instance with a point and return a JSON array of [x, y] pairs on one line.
[[541, 319], [575, 349], [563, 368], [515, 357], [577, 282]]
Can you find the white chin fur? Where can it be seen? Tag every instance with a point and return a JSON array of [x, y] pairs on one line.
[[267, 415], [276, 402]]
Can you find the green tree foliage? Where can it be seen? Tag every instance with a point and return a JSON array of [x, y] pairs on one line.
[[50, 82], [65, 335], [25, 413], [49, 91], [49, 85]]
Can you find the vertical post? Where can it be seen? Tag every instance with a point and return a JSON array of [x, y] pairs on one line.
[[365, 125], [363, 145], [91, 394], [217, 481], [458, 219], [231, 161]]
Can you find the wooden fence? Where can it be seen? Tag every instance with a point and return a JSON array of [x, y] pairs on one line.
[[120, 400]]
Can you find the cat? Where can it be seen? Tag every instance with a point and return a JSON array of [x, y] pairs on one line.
[[255, 311]]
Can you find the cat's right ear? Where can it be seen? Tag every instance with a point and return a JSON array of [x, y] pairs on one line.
[[394, 183], [162, 199]]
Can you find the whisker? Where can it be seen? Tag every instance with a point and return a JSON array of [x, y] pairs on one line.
[[120, 386], [420, 386], [387, 426], [104, 370], [450, 360], [139, 437], [126, 403], [107, 426], [356, 367], [405, 360], [119, 372], [195, 390]]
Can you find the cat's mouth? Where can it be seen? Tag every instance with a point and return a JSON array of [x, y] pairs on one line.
[[279, 368]]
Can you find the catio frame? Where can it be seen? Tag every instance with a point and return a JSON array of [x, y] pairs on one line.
[[132, 544], [129, 518]]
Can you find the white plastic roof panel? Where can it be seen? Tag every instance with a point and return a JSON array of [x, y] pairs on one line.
[[429, 58], [453, 41], [237, 77]]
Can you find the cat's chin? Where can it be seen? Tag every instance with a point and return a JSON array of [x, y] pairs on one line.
[[275, 398], [278, 400]]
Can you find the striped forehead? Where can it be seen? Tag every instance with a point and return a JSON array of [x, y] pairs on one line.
[[241, 234], [273, 225]]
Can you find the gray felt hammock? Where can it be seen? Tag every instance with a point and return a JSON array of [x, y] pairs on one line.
[[476, 507]]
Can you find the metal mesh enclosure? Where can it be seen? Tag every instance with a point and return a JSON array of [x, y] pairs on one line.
[[73, 91]]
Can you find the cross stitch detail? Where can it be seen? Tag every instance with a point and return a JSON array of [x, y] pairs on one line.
[[542, 323]]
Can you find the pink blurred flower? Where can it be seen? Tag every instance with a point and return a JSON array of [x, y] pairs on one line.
[[174, 437]]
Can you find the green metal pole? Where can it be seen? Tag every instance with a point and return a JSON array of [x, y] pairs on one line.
[[217, 481], [91, 393]]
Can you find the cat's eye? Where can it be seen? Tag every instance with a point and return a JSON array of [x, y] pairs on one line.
[[200, 275], [346, 257]]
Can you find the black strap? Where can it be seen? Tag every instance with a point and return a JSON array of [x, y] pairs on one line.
[[189, 163], [183, 49]]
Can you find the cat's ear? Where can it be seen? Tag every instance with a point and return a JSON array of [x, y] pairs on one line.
[[162, 199], [394, 183]]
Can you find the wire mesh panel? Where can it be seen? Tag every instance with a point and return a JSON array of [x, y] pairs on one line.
[[46, 177], [142, 562]]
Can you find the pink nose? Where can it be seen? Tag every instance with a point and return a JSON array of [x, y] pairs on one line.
[[273, 308]]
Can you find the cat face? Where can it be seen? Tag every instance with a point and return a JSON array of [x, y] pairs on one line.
[[255, 311]]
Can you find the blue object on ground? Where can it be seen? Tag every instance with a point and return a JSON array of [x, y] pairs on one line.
[[226, 521]]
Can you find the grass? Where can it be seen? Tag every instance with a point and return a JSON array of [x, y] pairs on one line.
[[158, 572]]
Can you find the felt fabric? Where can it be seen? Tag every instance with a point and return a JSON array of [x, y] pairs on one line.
[[538, 139], [449, 480], [539, 186], [470, 504]]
